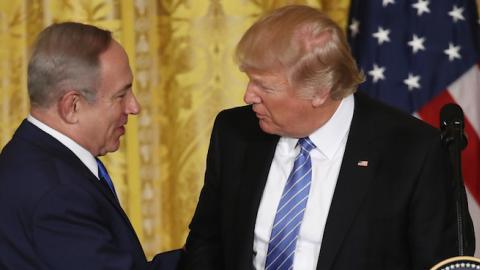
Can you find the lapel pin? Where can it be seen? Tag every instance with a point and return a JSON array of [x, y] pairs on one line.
[[363, 163]]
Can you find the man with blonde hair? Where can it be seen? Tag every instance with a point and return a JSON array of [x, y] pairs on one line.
[[58, 205], [312, 175]]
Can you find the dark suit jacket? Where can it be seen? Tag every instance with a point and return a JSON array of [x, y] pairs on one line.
[[397, 213], [55, 214]]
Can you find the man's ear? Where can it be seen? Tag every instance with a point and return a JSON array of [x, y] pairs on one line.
[[69, 106], [320, 97]]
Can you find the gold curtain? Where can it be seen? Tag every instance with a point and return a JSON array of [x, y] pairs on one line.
[[181, 54]]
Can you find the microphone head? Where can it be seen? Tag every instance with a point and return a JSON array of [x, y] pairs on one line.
[[451, 114], [452, 125]]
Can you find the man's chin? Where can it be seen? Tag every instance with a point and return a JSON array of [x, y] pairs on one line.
[[115, 147], [110, 148], [266, 127]]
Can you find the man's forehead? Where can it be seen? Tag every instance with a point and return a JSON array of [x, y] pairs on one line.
[[273, 74]]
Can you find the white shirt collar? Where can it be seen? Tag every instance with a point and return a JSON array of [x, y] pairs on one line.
[[83, 154], [328, 138]]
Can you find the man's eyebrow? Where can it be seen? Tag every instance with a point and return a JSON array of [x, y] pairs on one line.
[[125, 88]]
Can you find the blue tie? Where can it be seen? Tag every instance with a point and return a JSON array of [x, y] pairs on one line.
[[103, 175], [291, 208]]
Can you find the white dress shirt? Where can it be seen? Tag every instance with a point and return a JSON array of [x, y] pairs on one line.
[[330, 140], [83, 154]]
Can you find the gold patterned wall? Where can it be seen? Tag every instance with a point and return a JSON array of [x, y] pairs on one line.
[[182, 56]]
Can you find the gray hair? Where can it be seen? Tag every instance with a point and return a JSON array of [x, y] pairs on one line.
[[66, 57]]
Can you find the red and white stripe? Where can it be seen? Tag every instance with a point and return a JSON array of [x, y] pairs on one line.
[[465, 91]]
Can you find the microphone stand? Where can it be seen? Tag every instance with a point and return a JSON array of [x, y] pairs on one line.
[[455, 141]]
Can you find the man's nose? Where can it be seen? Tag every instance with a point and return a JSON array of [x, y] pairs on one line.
[[250, 97], [133, 107]]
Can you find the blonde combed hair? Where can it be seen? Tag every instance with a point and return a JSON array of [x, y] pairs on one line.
[[307, 44]]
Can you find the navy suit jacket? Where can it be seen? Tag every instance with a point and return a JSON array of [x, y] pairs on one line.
[[55, 214], [396, 213]]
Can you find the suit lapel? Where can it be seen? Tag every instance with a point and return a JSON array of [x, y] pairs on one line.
[[101, 186], [105, 190], [356, 172], [258, 158]]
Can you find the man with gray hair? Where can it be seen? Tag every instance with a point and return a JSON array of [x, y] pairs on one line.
[[58, 205]]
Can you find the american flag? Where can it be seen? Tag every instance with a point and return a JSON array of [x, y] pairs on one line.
[[418, 55]]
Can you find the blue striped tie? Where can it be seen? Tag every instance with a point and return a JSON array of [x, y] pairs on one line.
[[103, 175], [290, 211]]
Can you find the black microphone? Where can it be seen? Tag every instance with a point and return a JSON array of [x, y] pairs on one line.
[[452, 125], [454, 140]]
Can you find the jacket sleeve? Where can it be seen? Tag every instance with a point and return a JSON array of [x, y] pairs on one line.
[[203, 247]]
